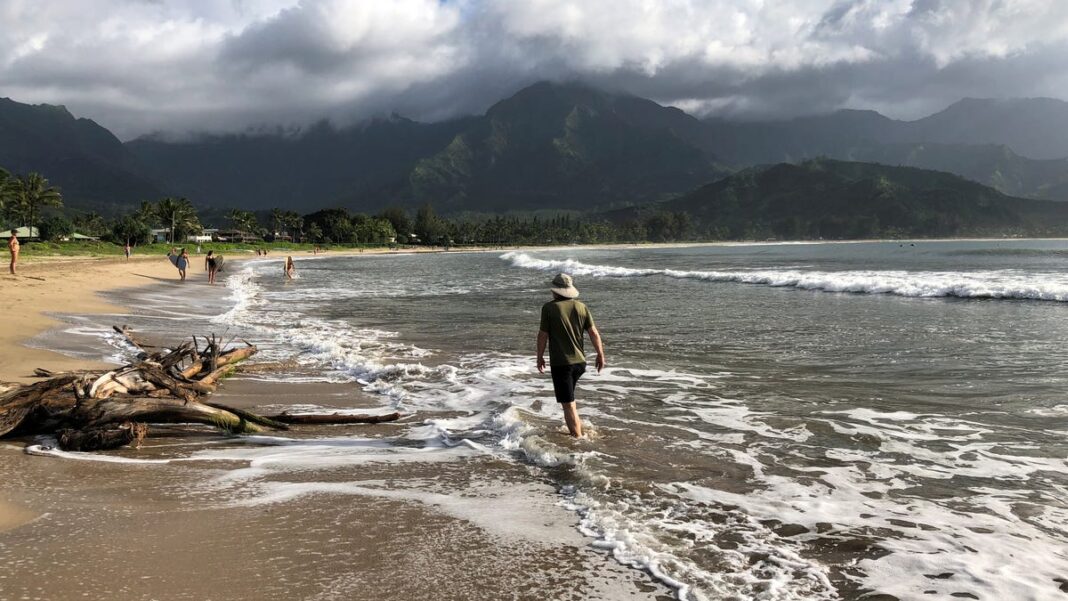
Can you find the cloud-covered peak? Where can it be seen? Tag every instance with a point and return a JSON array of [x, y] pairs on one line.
[[176, 65]]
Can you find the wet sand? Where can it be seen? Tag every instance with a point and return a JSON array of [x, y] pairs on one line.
[[185, 530], [13, 516], [146, 532]]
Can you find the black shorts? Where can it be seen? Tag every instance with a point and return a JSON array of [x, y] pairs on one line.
[[565, 377]]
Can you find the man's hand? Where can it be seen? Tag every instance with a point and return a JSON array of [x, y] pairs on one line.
[[595, 338], [543, 341]]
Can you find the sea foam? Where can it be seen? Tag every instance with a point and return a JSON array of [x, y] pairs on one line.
[[989, 284]]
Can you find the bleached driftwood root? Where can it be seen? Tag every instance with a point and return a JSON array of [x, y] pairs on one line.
[[93, 410]]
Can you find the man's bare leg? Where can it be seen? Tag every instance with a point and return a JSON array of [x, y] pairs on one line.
[[14, 263], [571, 416]]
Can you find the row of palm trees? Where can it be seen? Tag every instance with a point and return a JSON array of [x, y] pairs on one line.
[[176, 214], [23, 197], [288, 223]]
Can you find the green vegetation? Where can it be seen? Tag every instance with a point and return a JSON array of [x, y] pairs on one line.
[[819, 199], [22, 198], [564, 146], [842, 200]]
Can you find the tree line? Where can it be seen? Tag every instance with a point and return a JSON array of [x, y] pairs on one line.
[[32, 201]]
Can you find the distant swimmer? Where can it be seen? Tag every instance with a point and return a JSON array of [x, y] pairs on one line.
[[13, 247], [291, 269], [563, 321], [211, 265]]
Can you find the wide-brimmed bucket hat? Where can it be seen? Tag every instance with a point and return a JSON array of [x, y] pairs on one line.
[[564, 286]]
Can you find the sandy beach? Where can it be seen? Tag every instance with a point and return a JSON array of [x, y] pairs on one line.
[[44, 287], [139, 527]]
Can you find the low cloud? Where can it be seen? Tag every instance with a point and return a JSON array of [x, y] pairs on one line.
[[175, 66]]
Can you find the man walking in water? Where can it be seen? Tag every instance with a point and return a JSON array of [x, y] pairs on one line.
[[563, 322], [13, 248]]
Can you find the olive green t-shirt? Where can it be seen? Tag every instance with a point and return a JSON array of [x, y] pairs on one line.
[[565, 321]]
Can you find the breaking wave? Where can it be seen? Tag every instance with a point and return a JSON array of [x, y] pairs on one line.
[[991, 284]]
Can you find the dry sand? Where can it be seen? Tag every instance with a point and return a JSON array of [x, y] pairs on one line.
[[47, 286]]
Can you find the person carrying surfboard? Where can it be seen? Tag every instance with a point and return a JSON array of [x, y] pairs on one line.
[[564, 320], [212, 264]]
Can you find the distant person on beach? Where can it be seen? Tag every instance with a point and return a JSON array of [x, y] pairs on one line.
[[126, 250], [13, 247], [182, 262], [211, 264], [291, 269], [563, 322]]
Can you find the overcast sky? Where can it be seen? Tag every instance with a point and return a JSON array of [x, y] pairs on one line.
[[137, 66]]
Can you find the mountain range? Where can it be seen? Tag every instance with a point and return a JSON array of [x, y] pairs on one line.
[[96, 171], [558, 146]]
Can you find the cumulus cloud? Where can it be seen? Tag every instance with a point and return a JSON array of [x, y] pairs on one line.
[[175, 65]]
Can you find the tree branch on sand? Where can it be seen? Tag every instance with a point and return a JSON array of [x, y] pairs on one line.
[[97, 410]]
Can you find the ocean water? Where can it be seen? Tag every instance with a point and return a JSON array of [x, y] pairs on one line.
[[779, 421]]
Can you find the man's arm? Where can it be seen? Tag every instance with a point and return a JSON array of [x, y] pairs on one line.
[[543, 339], [595, 338]]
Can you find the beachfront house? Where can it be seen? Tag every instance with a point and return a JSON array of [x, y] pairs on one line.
[[206, 236], [235, 236], [24, 233], [76, 237], [161, 234]]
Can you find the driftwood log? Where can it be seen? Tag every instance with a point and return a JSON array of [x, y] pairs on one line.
[[94, 410], [333, 418]]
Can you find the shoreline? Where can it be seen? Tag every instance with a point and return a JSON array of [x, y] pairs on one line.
[[48, 286], [51, 285]]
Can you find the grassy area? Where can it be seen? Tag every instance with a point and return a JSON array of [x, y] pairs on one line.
[[106, 249]]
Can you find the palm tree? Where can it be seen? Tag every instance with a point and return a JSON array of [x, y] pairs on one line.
[[278, 218], [90, 223], [245, 221], [5, 189], [294, 223], [180, 214], [29, 194], [147, 214]]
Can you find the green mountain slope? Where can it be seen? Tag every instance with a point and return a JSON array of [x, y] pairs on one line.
[[996, 166], [837, 199], [88, 163], [304, 172], [1017, 146], [562, 147]]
